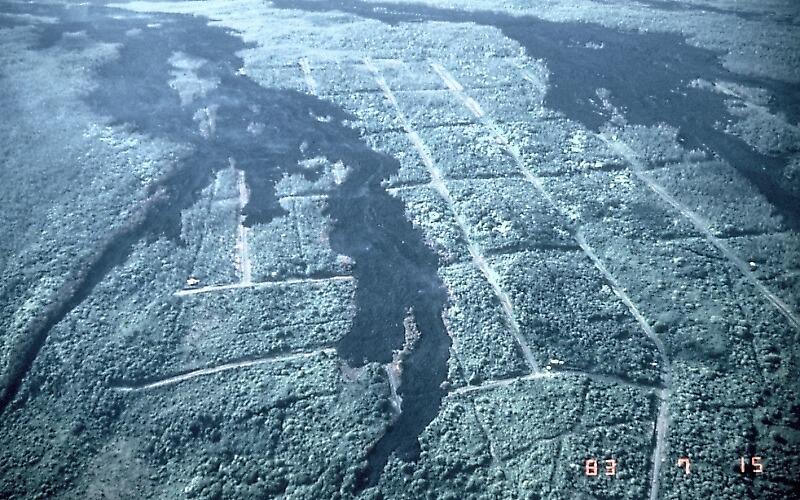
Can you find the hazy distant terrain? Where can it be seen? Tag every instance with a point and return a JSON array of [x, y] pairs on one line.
[[375, 249]]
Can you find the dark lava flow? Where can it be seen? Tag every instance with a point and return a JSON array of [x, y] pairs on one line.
[[134, 90], [395, 272], [647, 74], [676, 6], [394, 269]]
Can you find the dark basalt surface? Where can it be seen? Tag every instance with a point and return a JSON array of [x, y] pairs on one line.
[[395, 271], [647, 75], [675, 6]]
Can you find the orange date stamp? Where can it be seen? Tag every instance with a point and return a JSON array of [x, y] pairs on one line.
[[592, 467]]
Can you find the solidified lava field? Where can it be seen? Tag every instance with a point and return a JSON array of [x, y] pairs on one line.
[[400, 249]]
